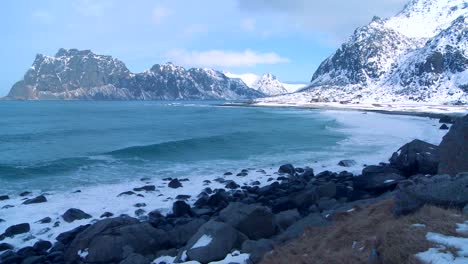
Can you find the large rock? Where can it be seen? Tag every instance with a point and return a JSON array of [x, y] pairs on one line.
[[297, 229], [416, 157], [377, 179], [180, 234], [74, 214], [15, 230], [212, 242], [254, 221], [286, 218], [453, 149], [440, 190], [181, 208], [287, 168], [113, 240], [257, 249]]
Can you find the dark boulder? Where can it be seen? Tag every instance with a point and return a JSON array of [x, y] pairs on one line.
[[42, 246], [453, 149], [146, 188], [74, 214], [115, 239], [326, 190], [106, 215], [346, 163], [377, 179], [175, 183], [181, 234], [16, 230], [447, 120], [38, 199], [440, 190], [67, 237], [287, 169], [212, 242], [254, 221], [181, 208], [45, 220], [416, 157], [232, 185], [297, 229], [257, 249], [444, 127], [285, 219], [126, 193], [4, 197], [5, 246]]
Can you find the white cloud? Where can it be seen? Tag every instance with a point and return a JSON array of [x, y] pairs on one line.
[[335, 17], [159, 14], [222, 58], [248, 24], [42, 16]]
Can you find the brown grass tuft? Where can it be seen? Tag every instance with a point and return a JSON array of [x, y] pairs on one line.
[[373, 227]]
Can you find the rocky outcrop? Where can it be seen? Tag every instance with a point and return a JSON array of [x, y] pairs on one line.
[[113, 240], [441, 190], [416, 157], [454, 149], [83, 75]]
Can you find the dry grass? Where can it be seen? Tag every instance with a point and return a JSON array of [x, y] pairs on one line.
[[374, 227]]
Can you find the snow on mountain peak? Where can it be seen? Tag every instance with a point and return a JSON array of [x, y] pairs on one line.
[[266, 83], [426, 18]]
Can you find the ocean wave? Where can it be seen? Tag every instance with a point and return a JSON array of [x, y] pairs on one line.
[[47, 167], [199, 148]]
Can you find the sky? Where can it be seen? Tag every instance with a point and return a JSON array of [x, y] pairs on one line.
[[288, 38]]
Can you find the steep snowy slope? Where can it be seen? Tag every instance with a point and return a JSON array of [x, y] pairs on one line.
[[419, 55]]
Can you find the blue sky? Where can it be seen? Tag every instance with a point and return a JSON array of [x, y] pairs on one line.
[[288, 38]]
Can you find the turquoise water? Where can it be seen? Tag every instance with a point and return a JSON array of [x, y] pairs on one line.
[[53, 145]]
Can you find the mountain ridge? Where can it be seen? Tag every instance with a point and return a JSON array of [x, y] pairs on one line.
[[73, 74]]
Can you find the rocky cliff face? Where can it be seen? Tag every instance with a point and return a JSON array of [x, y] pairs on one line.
[[83, 75], [419, 55]]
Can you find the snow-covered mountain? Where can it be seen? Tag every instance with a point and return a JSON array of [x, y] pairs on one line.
[[266, 83], [83, 75], [419, 55]]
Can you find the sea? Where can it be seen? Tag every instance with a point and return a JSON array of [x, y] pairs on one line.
[[82, 154]]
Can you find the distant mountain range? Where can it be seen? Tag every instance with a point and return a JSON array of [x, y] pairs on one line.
[[267, 83], [419, 55], [82, 75]]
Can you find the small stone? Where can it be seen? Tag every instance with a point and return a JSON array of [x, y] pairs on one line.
[[38, 199], [175, 183], [228, 173], [25, 194], [147, 188], [183, 197], [4, 197], [106, 214], [126, 193], [444, 127], [74, 214], [45, 220], [138, 205]]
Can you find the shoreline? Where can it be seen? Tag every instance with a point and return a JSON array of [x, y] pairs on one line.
[[439, 111]]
